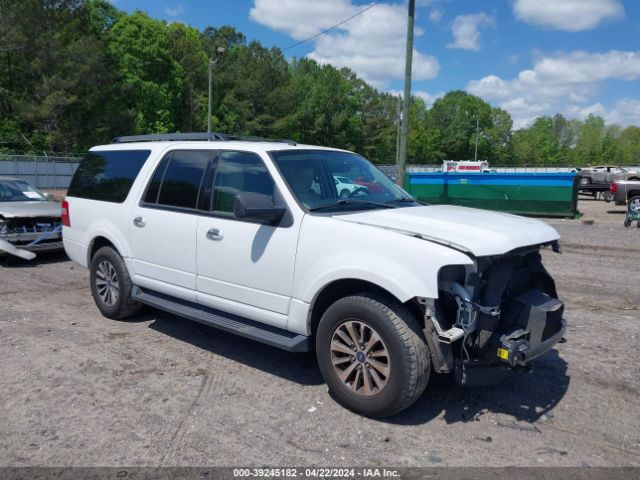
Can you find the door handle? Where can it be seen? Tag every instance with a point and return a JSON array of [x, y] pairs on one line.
[[139, 222], [214, 234]]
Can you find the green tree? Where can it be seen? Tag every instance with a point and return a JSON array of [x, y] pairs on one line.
[[589, 142], [150, 80], [629, 143], [455, 117]]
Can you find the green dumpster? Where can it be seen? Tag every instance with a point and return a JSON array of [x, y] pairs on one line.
[[543, 194]]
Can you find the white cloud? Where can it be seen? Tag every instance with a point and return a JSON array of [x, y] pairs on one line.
[[428, 98], [569, 15], [436, 15], [561, 83], [301, 19], [174, 11], [372, 44], [625, 112], [466, 30]]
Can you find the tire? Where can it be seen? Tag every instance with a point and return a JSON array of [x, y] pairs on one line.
[[109, 270], [627, 223], [345, 193], [633, 205], [400, 352]]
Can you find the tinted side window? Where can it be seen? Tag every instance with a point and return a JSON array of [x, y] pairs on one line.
[[239, 172], [151, 196], [182, 178], [107, 175]]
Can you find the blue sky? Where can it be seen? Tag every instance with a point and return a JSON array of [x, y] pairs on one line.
[[531, 57]]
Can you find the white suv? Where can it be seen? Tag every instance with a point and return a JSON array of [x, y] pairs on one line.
[[386, 290]]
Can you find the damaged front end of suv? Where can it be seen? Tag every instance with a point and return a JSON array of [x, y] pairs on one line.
[[494, 316]]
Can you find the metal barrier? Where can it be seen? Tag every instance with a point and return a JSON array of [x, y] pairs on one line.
[[41, 171]]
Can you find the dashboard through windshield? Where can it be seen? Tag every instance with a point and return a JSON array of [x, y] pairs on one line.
[[324, 179]]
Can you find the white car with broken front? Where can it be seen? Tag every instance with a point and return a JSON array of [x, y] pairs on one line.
[[253, 237]]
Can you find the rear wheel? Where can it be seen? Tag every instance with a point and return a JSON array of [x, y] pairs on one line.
[[634, 204], [111, 285], [371, 354]]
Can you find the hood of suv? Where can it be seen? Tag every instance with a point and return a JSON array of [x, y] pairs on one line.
[[480, 232], [30, 209]]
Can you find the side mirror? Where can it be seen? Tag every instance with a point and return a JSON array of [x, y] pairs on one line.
[[255, 206]]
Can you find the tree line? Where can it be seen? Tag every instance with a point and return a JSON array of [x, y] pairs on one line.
[[76, 73]]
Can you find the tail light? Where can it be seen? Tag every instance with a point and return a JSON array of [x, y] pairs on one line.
[[66, 220], [613, 188]]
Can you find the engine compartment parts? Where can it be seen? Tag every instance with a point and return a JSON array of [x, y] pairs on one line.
[[499, 318]]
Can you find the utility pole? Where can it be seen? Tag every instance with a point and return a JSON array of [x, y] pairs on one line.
[[404, 131], [398, 127], [475, 156], [211, 63]]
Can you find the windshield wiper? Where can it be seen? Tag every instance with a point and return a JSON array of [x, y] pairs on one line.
[[348, 201], [401, 200]]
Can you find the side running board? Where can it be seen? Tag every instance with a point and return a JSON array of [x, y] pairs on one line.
[[276, 337]]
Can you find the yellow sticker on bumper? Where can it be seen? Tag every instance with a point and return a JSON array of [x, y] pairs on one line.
[[503, 354]]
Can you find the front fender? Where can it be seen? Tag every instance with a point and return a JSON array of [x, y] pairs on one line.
[[404, 265]]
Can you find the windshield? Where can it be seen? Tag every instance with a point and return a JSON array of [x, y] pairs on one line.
[[322, 179], [19, 191]]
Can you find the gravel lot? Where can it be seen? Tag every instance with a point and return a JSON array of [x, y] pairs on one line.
[[77, 389]]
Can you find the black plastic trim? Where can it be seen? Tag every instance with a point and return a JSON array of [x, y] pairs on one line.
[[274, 336]]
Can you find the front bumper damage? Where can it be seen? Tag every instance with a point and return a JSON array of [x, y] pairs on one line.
[[495, 320], [25, 237]]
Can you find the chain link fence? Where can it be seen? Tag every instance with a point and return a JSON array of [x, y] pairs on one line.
[[44, 172]]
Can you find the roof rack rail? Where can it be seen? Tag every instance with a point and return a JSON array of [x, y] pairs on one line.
[[172, 137], [254, 138]]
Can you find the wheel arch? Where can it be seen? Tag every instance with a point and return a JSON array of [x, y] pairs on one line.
[[97, 243], [633, 193], [345, 287]]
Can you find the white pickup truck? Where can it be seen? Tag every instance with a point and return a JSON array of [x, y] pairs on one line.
[[252, 237]]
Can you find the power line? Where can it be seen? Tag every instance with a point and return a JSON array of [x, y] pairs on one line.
[[331, 28]]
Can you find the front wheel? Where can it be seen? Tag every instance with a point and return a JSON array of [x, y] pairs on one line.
[[111, 285], [372, 355]]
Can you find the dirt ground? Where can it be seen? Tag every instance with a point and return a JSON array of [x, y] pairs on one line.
[[77, 389]]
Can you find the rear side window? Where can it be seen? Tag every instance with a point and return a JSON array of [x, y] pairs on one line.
[[176, 181], [107, 175], [239, 172]]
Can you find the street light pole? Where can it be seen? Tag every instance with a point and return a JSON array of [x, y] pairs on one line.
[[404, 131], [211, 63]]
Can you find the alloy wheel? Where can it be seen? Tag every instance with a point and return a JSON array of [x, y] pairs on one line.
[[107, 284], [360, 358]]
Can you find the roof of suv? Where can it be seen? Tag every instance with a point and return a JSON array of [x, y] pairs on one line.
[[251, 146]]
